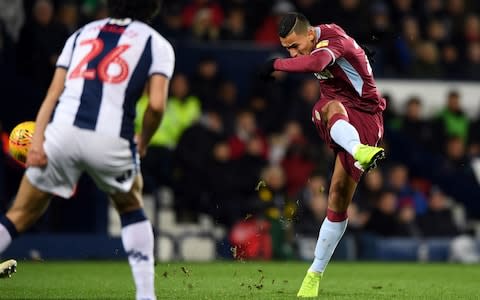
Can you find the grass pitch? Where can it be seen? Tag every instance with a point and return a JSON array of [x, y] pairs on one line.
[[243, 280]]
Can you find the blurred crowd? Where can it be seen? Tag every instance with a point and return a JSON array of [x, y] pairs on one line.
[[260, 157]]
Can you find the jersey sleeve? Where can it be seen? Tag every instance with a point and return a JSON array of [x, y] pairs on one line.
[[334, 47], [65, 57], [163, 57]]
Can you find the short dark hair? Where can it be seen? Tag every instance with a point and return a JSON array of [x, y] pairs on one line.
[[141, 10], [293, 22]]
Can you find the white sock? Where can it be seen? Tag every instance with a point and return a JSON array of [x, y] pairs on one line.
[[137, 241], [328, 238], [345, 135], [5, 238]]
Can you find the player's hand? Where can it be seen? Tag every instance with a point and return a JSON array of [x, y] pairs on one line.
[[266, 70], [36, 156]]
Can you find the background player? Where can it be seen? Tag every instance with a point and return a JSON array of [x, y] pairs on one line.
[[101, 73], [348, 117]]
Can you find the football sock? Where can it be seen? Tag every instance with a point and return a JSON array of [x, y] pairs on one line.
[[7, 233], [328, 238], [137, 238], [345, 135]]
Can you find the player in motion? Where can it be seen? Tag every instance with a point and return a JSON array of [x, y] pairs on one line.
[[100, 75], [348, 117]]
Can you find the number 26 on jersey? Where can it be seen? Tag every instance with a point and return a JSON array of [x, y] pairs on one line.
[[105, 61]]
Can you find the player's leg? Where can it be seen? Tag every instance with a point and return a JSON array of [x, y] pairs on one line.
[[346, 135], [28, 206], [137, 238], [340, 195]]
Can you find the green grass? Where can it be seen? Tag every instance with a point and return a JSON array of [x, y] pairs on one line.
[[243, 280]]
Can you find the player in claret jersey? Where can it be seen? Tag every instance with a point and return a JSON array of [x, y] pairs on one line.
[[101, 73], [348, 117]]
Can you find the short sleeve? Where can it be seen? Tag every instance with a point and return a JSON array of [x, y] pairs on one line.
[[65, 57], [163, 57]]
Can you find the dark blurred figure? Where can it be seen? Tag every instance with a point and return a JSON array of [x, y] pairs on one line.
[[314, 10], [438, 220], [298, 162], [427, 63], [311, 206], [301, 109], [206, 81], [235, 26], [68, 15], [369, 190], [12, 16], [406, 44], [351, 16], [191, 163], [226, 103], [170, 22], [414, 126], [267, 32], [203, 19], [472, 68], [41, 41], [398, 182], [383, 220], [452, 64], [268, 101]]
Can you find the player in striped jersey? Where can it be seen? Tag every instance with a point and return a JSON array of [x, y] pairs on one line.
[[85, 124]]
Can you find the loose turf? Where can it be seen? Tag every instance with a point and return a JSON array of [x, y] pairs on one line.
[[243, 280]]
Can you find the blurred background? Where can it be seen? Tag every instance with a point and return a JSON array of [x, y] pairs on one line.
[[236, 169]]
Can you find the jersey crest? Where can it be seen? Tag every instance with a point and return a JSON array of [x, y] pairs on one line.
[[324, 75], [323, 43]]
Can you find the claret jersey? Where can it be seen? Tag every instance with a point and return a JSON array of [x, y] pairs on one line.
[[349, 75], [108, 62]]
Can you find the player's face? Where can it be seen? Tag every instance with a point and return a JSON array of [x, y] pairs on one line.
[[298, 44]]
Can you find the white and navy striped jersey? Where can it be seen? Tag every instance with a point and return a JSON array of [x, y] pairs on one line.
[[108, 63]]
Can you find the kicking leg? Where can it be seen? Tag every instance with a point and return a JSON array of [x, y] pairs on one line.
[[340, 195], [137, 238], [29, 205], [346, 135]]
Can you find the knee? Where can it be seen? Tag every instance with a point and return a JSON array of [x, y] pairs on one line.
[[332, 108]]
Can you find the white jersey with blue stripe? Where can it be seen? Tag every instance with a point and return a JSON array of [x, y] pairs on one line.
[[108, 63]]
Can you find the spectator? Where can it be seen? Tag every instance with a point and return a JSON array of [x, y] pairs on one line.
[[235, 26], [451, 62], [301, 109], [191, 163], [13, 17], [427, 63], [247, 138], [472, 69], [453, 120], [311, 206], [369, 190], [203, 18], [68, 15], [267, 33], [206, 81], [438, 220], [398, 182], [413, 125], [273, 204], [182, 110], [383, 219], [40, 43]]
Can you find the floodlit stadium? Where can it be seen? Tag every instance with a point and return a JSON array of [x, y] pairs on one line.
[[252, 184]]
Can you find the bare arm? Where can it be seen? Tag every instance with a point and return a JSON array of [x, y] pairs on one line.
[[315, 62], [36, 154], [158, 93]]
